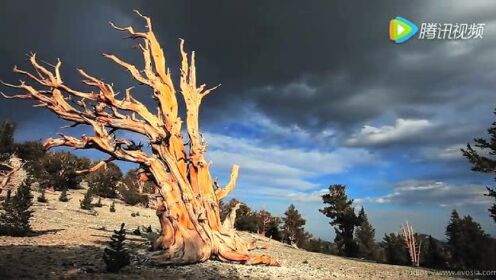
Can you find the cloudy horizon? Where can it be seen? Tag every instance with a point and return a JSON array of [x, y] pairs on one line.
[[312, 95]]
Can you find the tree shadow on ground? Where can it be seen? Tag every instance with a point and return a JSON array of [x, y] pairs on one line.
[[132, 238], [33, 233], [85, 262], [43, 232]]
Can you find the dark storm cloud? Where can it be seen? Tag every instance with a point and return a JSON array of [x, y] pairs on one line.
[[244, 45], [315, 65]]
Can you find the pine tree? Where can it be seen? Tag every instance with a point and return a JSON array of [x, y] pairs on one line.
[[59, 170], [86, 202], [274, 229], [6, 137], [343, 218], [395, 251], [63, 196], [98, 203], [42, 198], [364, 236], [116, 255], [112, 207], [434, 256], [293, 230], [470, 246], [482, 163], [492, 210], [15, 219], [455, 238], [263, 219]]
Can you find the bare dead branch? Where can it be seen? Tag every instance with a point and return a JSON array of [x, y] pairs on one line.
[[223, 192], [97, 166]]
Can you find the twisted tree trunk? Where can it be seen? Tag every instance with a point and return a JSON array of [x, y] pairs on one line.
[[188, 204]]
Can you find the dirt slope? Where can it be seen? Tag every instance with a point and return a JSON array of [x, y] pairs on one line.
[[68, 245]]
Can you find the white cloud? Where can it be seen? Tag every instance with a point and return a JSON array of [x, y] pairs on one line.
[[401, 130], [451, 152], [278, 171], [294, 132], [432, 193]]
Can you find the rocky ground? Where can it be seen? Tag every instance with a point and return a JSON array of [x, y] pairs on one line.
[[68, 244]]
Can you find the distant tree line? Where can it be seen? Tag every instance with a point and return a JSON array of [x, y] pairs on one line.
[[467, 245], [57, 170]]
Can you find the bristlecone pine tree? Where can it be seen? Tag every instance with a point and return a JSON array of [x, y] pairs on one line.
[[63, 196], [485, 164], [42, 198], [15, 218], [395, 251], [364, 235], [343, 218], [470, 247], [292, 228], [112, 207], [116, 255], [188, 205], [435, 257], [85, 203]]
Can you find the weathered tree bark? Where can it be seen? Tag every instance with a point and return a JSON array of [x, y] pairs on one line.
[[14, 176], [188, 204]]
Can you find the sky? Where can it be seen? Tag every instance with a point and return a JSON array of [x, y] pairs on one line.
[[313, 94]]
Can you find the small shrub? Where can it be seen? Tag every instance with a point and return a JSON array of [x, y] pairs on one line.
[[149, 229], [63, 196], [42, 198], [116, 255], [135, 214], [98, 203], [86, 202], [131, 196], [15, 218], [112, 207], [137, 231]]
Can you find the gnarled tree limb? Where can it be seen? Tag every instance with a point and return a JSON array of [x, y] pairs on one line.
[[187, 202], [221, 193]]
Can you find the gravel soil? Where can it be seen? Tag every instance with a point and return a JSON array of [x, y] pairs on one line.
[[68, 243]]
